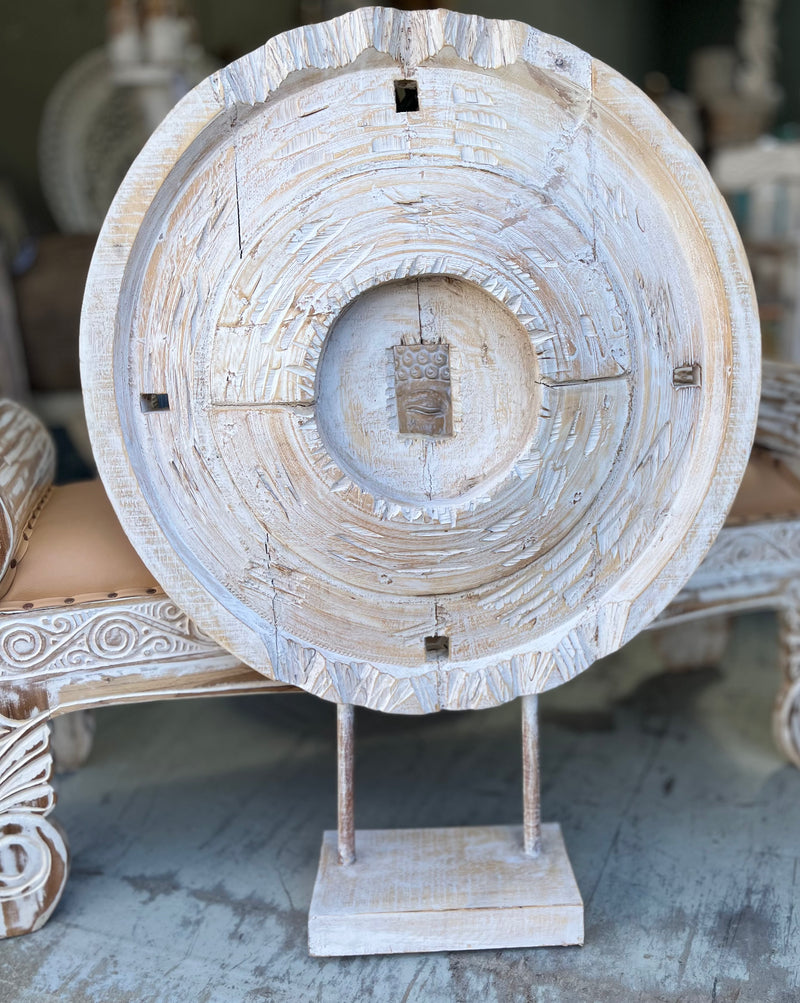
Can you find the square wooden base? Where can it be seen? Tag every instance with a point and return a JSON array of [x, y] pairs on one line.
[[444, 890]]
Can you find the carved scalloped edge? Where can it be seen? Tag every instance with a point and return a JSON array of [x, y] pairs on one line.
[[410, 38], [457, 688]]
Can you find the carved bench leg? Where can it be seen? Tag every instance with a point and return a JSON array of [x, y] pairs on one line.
[[34, 857], [786, 715], [71, 740]]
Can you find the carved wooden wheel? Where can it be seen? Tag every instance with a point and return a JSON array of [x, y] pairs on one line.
[[420, 359]]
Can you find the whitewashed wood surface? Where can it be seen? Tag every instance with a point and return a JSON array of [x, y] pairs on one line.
[[27, 465], [569, 249], [466, 888]]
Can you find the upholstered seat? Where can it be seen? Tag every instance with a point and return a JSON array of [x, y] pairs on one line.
[[77, 553]]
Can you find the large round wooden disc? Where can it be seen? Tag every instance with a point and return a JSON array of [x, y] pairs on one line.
[[420, 359]]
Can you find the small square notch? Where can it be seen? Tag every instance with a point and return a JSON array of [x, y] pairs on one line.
[[687, 376], [437, 647], [154, 402], [406, 97]]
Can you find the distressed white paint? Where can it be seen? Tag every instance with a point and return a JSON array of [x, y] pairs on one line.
[[469, 888]]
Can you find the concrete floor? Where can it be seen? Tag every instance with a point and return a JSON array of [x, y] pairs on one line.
[[196, 827]]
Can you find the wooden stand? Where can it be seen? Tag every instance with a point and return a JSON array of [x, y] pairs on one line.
[[425, 453], [452, 889]]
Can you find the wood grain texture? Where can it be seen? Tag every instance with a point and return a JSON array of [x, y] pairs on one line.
[[468, 888], [345, 742], [535, 198], [531, 777]]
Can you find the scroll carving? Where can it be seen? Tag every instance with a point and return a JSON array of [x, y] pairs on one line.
[[50, 642]]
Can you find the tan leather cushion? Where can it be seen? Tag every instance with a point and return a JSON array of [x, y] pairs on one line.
[[769, 490], [77, 553]]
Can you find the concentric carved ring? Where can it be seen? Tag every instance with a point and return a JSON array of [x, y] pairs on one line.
[[484, 369]]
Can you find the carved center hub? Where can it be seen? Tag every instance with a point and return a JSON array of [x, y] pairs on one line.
[[426, 392], [422, 390]]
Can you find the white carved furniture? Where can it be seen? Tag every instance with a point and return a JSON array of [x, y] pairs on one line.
[[419, 381], [736, 87], [755, 561]]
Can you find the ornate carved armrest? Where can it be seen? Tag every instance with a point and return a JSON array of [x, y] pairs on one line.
[[779, 411], [27, 464]]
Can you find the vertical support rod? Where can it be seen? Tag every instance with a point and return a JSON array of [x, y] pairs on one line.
[[531, 792], [345, 720]]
